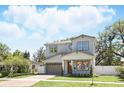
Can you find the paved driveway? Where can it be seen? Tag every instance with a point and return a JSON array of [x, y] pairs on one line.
[[23, 82]]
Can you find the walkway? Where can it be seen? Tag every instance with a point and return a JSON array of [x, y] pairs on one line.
[[23, 82]]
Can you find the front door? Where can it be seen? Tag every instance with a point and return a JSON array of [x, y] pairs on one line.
[[69, 68]]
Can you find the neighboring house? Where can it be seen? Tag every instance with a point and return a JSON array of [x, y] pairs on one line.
[[75, 55]]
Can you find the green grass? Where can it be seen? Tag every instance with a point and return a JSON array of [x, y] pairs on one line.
[[109, 79], [99, 78], [73, 84]]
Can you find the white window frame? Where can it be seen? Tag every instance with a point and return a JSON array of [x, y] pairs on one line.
[[53, 49], [82, 46]]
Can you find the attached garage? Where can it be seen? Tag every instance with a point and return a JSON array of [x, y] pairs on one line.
[[54, 65], [54, 68]]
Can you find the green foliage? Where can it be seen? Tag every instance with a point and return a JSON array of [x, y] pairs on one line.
[[26, 55], [18, 53], [34, 71], [14, 62], [4, 51], [4, 73], [23, 69], [120, 69], [17, 61], [81, 75], [109, 46], [17, 64], [39, 56]]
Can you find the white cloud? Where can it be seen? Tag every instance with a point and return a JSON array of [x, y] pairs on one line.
[[10, 30], [105, 10], [74, 19], [36, 36], [53, 21], [43, 25], [18, 14]]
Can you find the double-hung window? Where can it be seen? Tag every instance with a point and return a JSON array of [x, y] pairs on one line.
[[53, 49], [83, 45]]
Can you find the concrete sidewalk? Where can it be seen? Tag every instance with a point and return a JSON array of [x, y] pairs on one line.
[[23, 82]]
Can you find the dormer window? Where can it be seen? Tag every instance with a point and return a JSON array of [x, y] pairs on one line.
[[53, 49], [83, 45]]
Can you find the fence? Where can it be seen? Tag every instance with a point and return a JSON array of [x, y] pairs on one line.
[[106, 70], [41, 69]]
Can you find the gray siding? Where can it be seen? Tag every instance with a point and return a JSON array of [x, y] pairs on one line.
[[91, 44], [65, 48]]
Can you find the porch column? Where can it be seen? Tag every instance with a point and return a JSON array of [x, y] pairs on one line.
[[93, 62], [64, 67], [72, 65]]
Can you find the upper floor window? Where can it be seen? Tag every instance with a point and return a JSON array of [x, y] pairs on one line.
[[53, 49], [83, 45]]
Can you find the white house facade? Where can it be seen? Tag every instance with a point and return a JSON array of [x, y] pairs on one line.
[[71, 56]]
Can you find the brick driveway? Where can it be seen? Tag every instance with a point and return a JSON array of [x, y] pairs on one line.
[[24, 82]]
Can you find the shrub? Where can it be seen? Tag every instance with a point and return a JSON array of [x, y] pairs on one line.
[[0, 75], [34, 71], [10, 74], [82, 75], [120, 70], [4, 73], [95, 75]]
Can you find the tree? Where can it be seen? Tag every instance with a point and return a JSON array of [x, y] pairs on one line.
[[118, 30], [26, 55], [39, 56], [104, 49], [18, 53], [4, 50], [109, 47], [14, 63]]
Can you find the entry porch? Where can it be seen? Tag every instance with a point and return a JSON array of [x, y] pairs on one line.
[[77, 63]]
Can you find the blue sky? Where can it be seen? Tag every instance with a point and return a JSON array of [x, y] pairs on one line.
[[29, 27]]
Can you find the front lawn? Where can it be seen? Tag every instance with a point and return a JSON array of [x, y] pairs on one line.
[[73, 84], [99, 78]]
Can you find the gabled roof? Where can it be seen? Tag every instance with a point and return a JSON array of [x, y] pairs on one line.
[[78, 56], [69, 40], [54, 59], [82, 35], [60, 42]]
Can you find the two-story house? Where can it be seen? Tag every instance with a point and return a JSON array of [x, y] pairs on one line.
[[71, 56]]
